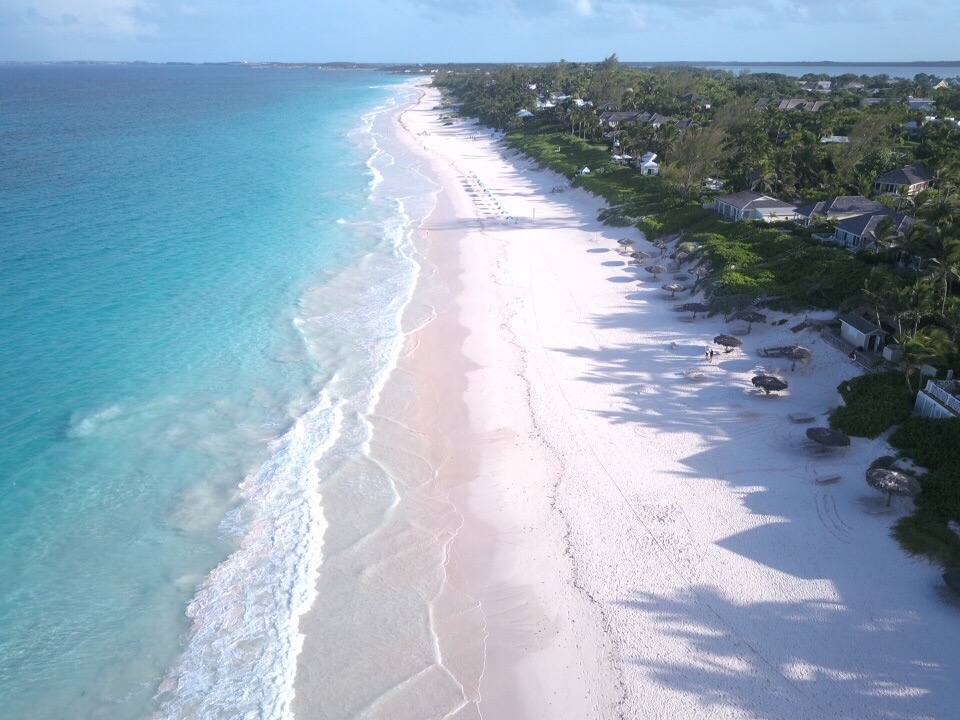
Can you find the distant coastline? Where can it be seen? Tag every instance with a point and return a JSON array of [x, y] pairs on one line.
[[424, 67]]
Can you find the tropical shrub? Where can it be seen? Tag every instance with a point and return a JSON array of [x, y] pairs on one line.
[[873, 403]]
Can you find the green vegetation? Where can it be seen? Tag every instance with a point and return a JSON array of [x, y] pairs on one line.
[[934, 445], [874, 403], [906, 279]]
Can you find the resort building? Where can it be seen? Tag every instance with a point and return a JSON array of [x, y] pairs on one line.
[[749, 205], [861, 333], [840, 207], [910, 180], [939, 399], [859, 231]]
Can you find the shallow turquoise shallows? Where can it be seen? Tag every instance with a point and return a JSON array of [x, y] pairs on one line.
[[160, 227]]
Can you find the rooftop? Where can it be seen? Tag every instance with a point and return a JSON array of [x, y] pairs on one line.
[[749, 200], [860, 323], [907, 175], [840, 205]]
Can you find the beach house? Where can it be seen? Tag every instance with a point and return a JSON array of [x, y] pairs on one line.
[[940, 399], [925, 104], [749, 205], [862, 333], [694, 99], [839, 207], [860, 231], [909, 180]]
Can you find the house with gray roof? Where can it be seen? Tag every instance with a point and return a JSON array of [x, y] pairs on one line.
[[863, 334], [612, 119], [924, 104], [791, 104], [910, 179], [749, 205], [840, 207], [860, 231], [694, 99]]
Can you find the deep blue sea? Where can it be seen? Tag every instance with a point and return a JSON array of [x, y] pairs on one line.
[[196, 268]]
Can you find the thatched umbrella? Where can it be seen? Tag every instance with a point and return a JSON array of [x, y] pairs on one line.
[[728, 341], [673, 288], [701, 271], [655, 270], [750, 317], [694, 307], [952, 578], [828, 436], [797, 352], [769, 383], [640, 255], [660, 245], [892, 482], [625, 241]]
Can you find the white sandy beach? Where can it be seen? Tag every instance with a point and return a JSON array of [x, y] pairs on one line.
[[636, 543]]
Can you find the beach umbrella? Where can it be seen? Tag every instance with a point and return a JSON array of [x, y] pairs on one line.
[[728, 341], [660, 244], [673, 288], [797, 352], [625, 241], [892, 482], [769, 383], [655, 270], [828, 437], [952, 578], [640, 255], [693, 307], [750, 317]]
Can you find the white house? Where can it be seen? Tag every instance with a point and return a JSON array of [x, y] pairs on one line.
[[524, 113], [834, 139], [648, 165], [939, 399], [861, 333], [749, 205]]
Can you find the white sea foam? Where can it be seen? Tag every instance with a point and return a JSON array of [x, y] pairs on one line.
[[240, 653], [242, 648]]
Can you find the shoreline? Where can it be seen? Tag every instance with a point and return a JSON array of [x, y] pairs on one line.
[[629, 530]]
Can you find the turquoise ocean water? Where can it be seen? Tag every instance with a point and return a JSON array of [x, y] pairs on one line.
[[197, 266]]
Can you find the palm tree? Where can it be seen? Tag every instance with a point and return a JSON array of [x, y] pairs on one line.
[[928, 344], [945, 265]]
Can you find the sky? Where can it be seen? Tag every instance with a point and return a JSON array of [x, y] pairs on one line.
[[478, 30]]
